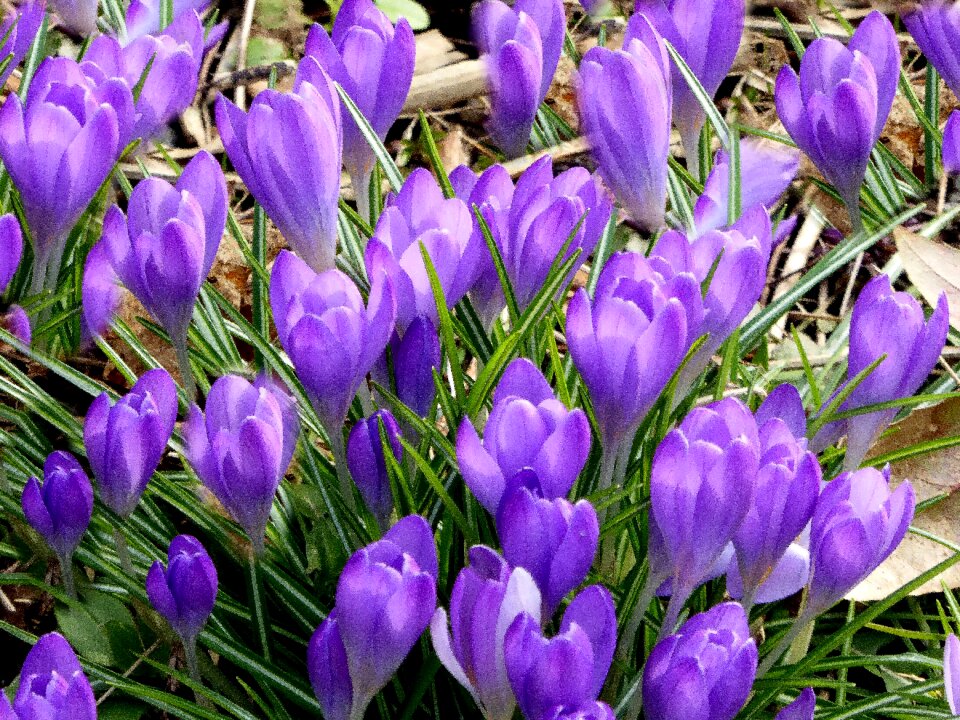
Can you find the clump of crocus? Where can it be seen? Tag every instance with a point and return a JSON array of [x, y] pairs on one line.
[[837, 107], [707, 36], [367, 464], [164, 248], [553, 539], [703, 672], [287, 150], [487, 596], [52, 685], [373, 61], [566, 671], [527, 428], [935, 25], [242, 447], [624, 98], [60, 509], [386, 596], [951, 673], [14, 320], [521, 46], [19, 27], [889, 325], [59, 146], [184, 592]]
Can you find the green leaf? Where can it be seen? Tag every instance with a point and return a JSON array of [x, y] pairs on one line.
[[390, 168], [703, 99], [413, 11]]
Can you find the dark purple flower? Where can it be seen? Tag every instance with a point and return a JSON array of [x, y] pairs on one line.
[[950, 151], [951, 674], [553, 539], [52, 685], [241, 449], [365, 458], [703, 672], [527, 428], [837, 107], [385, 599], [935, 26], [857, 523], [287, 150], [11, 249], [22, 25], [800, 709], [415, 356], [184, 592], [487, 596], [100, 292], [568, 670], [125, 441], [61, 508], [16, 322]]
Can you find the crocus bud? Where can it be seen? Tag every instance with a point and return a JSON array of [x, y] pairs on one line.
[[935, 25], [184, 592], [703, 672], [14, 320], [837, 107], [554, 540], [701, 487], [625, 100], [52, 685], [414, 356], [950, 151], [630, 339], [487, 596], [385, 599], [800, 709], [100, 292], [951, 673], [367, 463], [706, 34], [373, 61], [331, 338], [527, 428], [568, 670], [857, 523], [60, 509], [20, 27], [125, 440], [242, 447], [420, 215], [143, 16], [77, 16], [888, 323], [287, 150], [164, 249]]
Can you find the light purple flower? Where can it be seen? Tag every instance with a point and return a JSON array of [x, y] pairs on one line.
[[185, 591], [368, 467], [527, 428], [487, 597], [77, 16], [52, 685], [950, 151], [22, 25], [800, 709], [935, 25], [100, 292], [14, 320], [143, 17], [951, 673]]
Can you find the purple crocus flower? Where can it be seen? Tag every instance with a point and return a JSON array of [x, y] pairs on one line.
[[143, 16], [365, 459], [22, 25], [888, 323], [951, 673], [125, 441], [706, 34], [701, 488], [837, 107], [386, 596], [185, 591], [164, 249], [60, 509], [950, 151], [59, 146], [414, 355], [935, 25], [77, 16], [857, 523], [800, 709], [100, 292], [567, 671], [287, 150], [419, 214], [630, 339], [703, 672], [15, 319], [373, 61], [530, 225], [241, 449], [625, 100], [527, 428], [553, 539], [52, 685], [594, 710], [487, 597]]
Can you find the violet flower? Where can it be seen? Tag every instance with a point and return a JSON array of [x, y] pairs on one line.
[[185, 591], [837, 107], [77, 16], [242, 447], [14, 320], [386, 596], [100, 293], [487, 597], [60, 509], [52, 685], [143, 17], [950, 150], [800, 709], [625, 100], [414, 355], [527, 428], [935, 26], [22, 24], [951, 673], [594, 710], [367, 464], [287, 150]]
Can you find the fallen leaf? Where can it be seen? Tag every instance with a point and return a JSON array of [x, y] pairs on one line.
[[933, 267]]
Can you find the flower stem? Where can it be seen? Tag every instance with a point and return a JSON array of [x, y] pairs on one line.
[[799, 625], [123, 552], [340, 465], [629, 636], [677, 601], [259, 609], [186, 371], [66, 572]]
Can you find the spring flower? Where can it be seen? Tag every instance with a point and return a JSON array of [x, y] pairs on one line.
[[487, 597], [365, 459], [14, 320], [800, 709], [951, 673], [143, 16], [185, 591], [52, 685], [78, 16], [22, 26], [935, 25], [950, 151], [414, 356]]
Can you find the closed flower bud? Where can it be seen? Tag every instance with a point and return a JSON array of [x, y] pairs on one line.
[[800, 709], [14, 320], [185, 591], [935, 25], [60, 509], [368, 467], [78, 16], [951, 145], [52, 685]]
